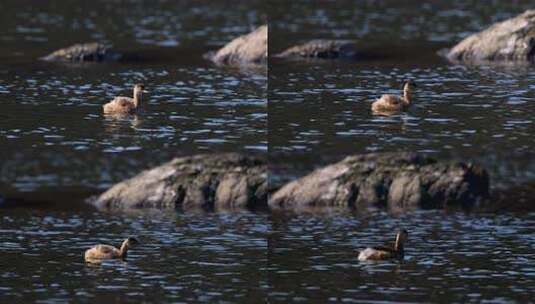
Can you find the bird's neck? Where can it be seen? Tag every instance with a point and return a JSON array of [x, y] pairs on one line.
[[123, 250], [407, 96], [398, 245], [138, 98]]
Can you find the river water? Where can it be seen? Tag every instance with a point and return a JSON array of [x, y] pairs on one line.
[[56, 144], [320, 110], [51, 128]]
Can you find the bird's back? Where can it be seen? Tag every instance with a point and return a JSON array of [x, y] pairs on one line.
[[376, 253], [120, 104], [102, 252], [388, 103]]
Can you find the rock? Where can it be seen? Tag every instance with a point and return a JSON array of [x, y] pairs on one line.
[[80, 52], [510, 40], [322, 49], [399, 181], [246, 49], [219, 181]]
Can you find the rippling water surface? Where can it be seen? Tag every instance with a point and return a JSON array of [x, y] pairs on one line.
[[321, 109], [449, 259], [247, 257], [53, 136], [187, 258], [52, 130], [319, 112]]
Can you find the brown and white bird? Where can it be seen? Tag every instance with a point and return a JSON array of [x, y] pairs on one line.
[[386, 253], [390, 104], [99, 253], [126, 105]]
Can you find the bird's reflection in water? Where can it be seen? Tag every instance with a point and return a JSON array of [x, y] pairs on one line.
[[396, 123], [114, 123]]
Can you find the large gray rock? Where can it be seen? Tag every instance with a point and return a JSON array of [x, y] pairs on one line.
[[400, 181], [510, 40], [322, 48], [219, 181], [92, 51], [246, 49]]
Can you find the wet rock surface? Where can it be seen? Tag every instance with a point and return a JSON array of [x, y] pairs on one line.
[[398, 181], [510, 40], [91, 52], [220, 181], [322, 48], [246, 49]]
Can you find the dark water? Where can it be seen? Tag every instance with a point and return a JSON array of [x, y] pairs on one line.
[[55, 141], [320, 110], [182, 258], [56, 145], [52, 130], [449, 259]]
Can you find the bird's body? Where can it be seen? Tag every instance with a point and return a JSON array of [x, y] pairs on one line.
[[389, 104], [125, 105], [103, 252], [99, 253], [385, 253], [120, 104]]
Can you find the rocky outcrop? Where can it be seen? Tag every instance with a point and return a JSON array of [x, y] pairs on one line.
[[510, 40], [81, 52], [244, 50], [322, 48], [399, 181], [220, 181]]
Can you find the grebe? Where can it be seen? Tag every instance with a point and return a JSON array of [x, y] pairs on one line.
[[99, 253], [385, 253], [388, 104], [125, 105]]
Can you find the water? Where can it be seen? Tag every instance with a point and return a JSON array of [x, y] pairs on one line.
[[456, 258], [319, 112], [182, 258], [56, 148], [52, 131], [481, 114]]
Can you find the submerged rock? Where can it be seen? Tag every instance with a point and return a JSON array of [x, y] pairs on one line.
[[399, 181], [80, 52], [218, 181], [246, 49], [510, 40], [321, 48]]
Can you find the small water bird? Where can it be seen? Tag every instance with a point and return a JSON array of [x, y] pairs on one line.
[[385, 253], [389, 104], [126, 105], [101, 252]]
